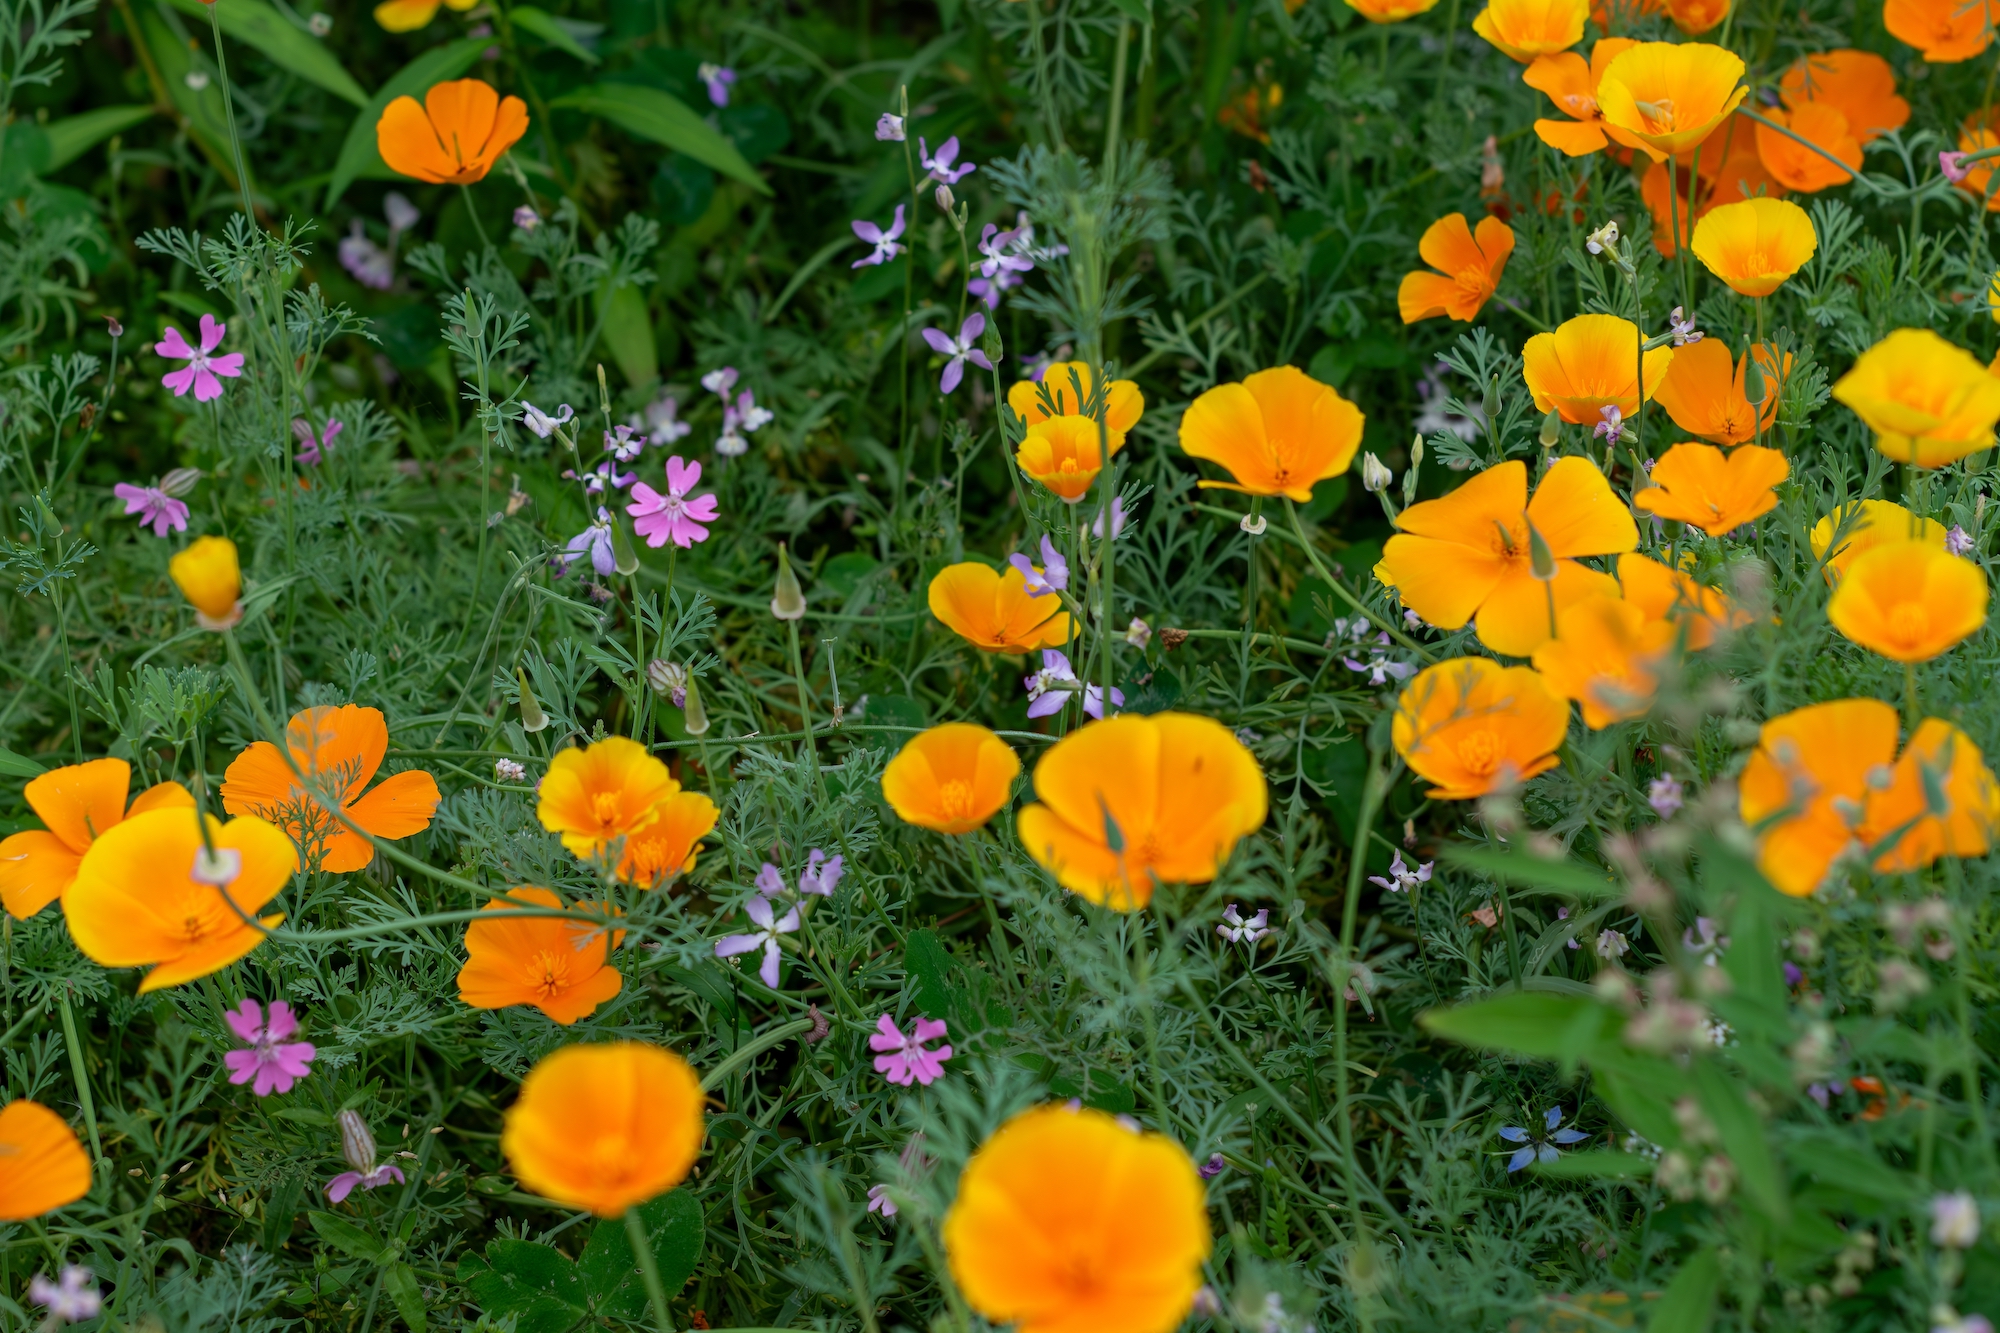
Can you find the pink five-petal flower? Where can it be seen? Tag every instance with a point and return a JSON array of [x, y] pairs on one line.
[[202, 365], [673, 517], [273, 1062], [153, 506], [905, 1059]]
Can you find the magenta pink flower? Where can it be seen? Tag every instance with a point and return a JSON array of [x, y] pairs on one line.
[[153, 506], [309, 452], [905, 1059], [673, 517], [272, 1061], [1953, 166], [202, 368], [343, 1184]]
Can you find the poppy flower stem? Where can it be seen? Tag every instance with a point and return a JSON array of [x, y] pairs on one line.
[[649, 1269], [1424, 655], [85, 1101], [229, 118]]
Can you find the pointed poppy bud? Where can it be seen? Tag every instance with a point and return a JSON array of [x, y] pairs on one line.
[[789, 602], [693, 714], [1753, 381], [532, 716], [1541, 560], [1552, 426], [623, 558]]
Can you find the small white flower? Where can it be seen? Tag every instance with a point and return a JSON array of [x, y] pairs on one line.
[[1237, 930], [1138, 633], [509, 770], [1612, 944], [543, 424], [197, 79], [1954, 1221]]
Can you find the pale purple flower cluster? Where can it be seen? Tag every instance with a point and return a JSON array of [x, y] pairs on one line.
[[663, 421], [673, 516], [957, 351], [1958, 541], [821, 874], [889, 129], [742, 415], [1611, 425], [1665, 795], [312, 444], [903, 1058], [1401, 878], [1001, 261], [1051, 687], [71, 1299], [1237, 930], [717, 78], [271, 1064], [203, 366]]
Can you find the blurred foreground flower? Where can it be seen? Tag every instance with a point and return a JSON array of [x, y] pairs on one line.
[[78, 804], [310, 444], [69, 1301], [1472, 726], [455, 136], [1928, 401], [605, 1126], [558, 966], [951, 778], [272, 1062], [208, 576], [410, 15], [1279, 432], [42, 1166], [1525, 29], [202, 366]]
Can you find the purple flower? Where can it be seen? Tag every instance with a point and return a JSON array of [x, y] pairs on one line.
[[1051, 578], [1050, 688], [718, 78], [309, 451], [941, 166], [960, 350], [71, 1300], [272, 1061], [1000, 267], [544, 424], [401, 213], [1540, 1145], [153, 506], [1213, 1167], [905, 1059], [822, 873], [1958, 541], [1953, 166], [1683, 329], [371, 265], [1380, 666], [720, 382], [1703, 941], [664, 422], [1664, 795], [884, 242], [595, 542], [604, 476], [1794, 974], [624, 443], [889, 129], [672, 517], [1613, 422], [526, 218], [769, 927], [878, 1195], [343, 1184], [202, 368], [1118, 517], [1237, 930], [1401, 877]]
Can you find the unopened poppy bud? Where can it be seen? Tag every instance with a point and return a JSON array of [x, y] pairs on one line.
[[990, 343], [180, 481], [789, 600], [623, 557], [1375, 475], [1541, 560], [603, 392], [1490, 404], [1753, 382], [357, 1145], [1410, 477], [532, 716], [1552, 429], [694, 714], [208, 576]]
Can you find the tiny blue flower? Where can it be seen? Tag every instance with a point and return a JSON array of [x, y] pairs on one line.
[[1540, 1145]]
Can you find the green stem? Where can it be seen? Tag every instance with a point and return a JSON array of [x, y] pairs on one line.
[[229, 117], [810, 746], [1115, 122], [751, 1049], [83, 1095], [1424, 655], [649, 1269]]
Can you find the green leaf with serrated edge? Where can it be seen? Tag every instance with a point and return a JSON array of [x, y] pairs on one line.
[[1742, 1138], [73, 136], [346, 1237], [665, 119], [1534, 874], [284, 43], [548, 28], [611, 1273], [1689, 1303], [534, 1283], [359, 158], [1596, 1165]]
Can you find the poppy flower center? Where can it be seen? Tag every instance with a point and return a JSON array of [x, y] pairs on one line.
[[605, 807], [549, 975], [955, 799], [1480, 753], [1909, 622]]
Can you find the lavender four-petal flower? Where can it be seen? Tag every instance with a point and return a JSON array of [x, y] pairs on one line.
[[942, 165], [769, 927], [1051, 578], [1540, 1145], [885, 242], [958, 350]]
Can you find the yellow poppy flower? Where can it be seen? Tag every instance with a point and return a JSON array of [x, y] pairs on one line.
[[1928, 401], [1590, 363], [1471, 726], [77, 803], [1671, 95], [951, 778], [605, 1126], [1278, 433], [1909, 600], [1754, 245]]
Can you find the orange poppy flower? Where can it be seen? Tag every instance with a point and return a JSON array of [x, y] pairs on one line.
[[1133, 801], [1939, 758], [1799, 167], [1525, 29], [1068, 386], [560, 967], [1700, 485], [76, 803], [1928, 401], [1590, 363], [1248, 114], [1755, 245], [137, 899], [605, 1126], [1946, 31], [1670, 96], [1695, 17], [1061, 454], [1279, 432], [1703, 393], [603, 795], [1572, 85], [1696, 610], [1471, 726], [210, 578], [1858, 84], [1067, 1220], [1606, 656], [412, 15], [1471, 266], [1468, 552], [1390, 11], [42, 1165], [455, 136], [951, 778], [1909, 601], [1879, 523], [1978, 179], [666, 847], [991, 609], [339, 749]]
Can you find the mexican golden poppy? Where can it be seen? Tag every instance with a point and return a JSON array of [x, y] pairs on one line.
[[992, 610], [1939, 758], [1590, 363], [1755, 245], [1858, 84], [1525, 29], [1928, 401], [1069, 388], [1811, 167], [1471, 726], [209, 577], [1697, 611], [1390, 11], [1909, 600], [1470, 264], [667, 846], [1700, 485], [1703, 392], [1606, 656], [76, 804], [605, 1126], [1946, 31], [42, 1165], [454, 136], [1278, 432], [1876, 523], [1571, 83], [1670, 96], [558, 966], [1061, 454], [602, 794], [951, 778]]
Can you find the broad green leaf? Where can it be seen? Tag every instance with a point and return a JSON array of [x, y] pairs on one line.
[[358, 156], [1597, 1165], [928, 967], [1742, 1138], [200, 109], [400, 1280], [73, 136], [255, 23], [1752, 961], [1640, 1089], [1555, 1027], [1689, 1303], [1570, 878], [344, 1236], [628, 334], [534, 1283], [1841, 1166], [546, 26], [611, 1273], [665, 119], [17, 765]]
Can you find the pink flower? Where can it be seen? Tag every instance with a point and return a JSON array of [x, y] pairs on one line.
[[309, 453], [272, 1061], [201, 369], [1953, 166], [905, 1060], [153, 506], [371, 265], [673, 517], [343, 1184], [880, 1202]]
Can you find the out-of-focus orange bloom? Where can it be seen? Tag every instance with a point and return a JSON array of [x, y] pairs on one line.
[[208, 575], [605, 1126], [1928, 401], [77, 803], [1671, 96], [991, 609], [1606, 656], [1756, 245], [667, 846], [1909, 601], [1389, 11], [338, 749], [1525, 29], [1471, 726], [1590, 363], [1622, 15], [1704, 394], [951, 778], [455, 136], [1803, 168], [42, 1166], [410, 15], [1729, 172], [1978, 179], [1134, 801], [1858, 84], [1062, 455], [1247, 115], [1878, 523], [560, 967], [1472, 263], [1068, 387], [1469, 552], [1946, 31], [1939, 758], [1699, 485], [1279, 432], [1695, 17], [1697, 611], [1572, 85]]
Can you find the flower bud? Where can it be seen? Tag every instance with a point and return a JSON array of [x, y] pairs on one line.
[[357, 1145], [623, 557], [990, 343], [180, 481], [694, 716], [666, 677], [1541, 560], [1753, 382], [945, 199], [113, 327], [1552, 429], [1489, 406], [532, 716], [789, 601], [208, 576], [1410, 477], [1375, 475]]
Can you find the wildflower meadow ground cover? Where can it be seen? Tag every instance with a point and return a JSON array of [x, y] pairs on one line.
[[1084, 666]]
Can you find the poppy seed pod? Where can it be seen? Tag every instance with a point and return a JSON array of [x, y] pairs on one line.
[[788, 601], [693, 714], [532, 717], [357, 1145]]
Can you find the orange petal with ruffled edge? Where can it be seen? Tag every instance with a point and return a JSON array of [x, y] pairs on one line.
[[42, 1165]]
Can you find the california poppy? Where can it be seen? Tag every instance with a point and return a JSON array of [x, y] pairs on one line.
[[338, 749], [1670, 96], [1571, 84], [1939, 759], [77, 804], [1469, 552], [1909, 600], [1946, 31], [1134, 801], [455, 136], [1590, 363], [1695, 17], [1068, 387], [951, 778], [1978, 178], [149, 891], [1859, 84], [1472, 263], [1722, 169], [411, 15], [666, 846], [1606, 656], [1279, 432], [1700, 485], [1703, 392], [1471, 726], [560, 967], [1061, 454], [1878, 522], [1390, 11], [1525, 29], [1928, 401], [1800, 167], [602, 794], [992, 610], [209, 577], [1068, 1220], [605, 1126], [1249, 114], [42, 1166], [1697, 611], [1755, 245]]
